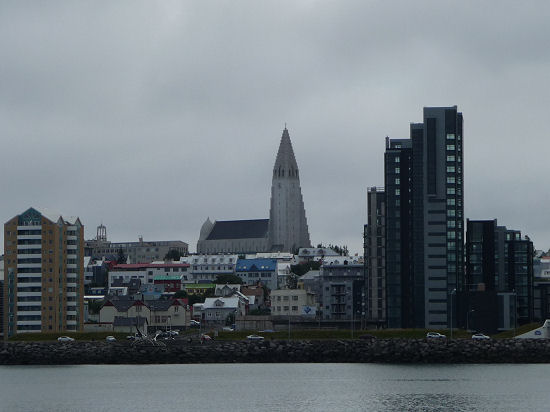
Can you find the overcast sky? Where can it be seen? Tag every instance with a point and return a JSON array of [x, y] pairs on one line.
[[150, 117]]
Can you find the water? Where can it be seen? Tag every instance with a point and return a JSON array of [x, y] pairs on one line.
[[275, 387]]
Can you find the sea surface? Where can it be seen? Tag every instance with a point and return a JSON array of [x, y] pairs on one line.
[[275, 387]]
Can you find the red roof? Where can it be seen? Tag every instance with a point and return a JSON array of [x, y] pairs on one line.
[[137, 266]]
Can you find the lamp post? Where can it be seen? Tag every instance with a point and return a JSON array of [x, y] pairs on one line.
[[452, 293], [468, 318]]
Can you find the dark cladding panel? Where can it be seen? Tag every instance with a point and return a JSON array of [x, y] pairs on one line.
[[431, 155]]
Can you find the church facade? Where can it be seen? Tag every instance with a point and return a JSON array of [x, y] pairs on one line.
[[286, 229]]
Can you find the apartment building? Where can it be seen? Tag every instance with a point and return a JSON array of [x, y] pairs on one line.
[[44, 271]]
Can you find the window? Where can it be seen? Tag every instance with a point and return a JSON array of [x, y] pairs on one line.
[[451, 212], [397, 159], [294, 297], [295, 308], [450, 136], [451, 147], [285, 298], [451, 191], [450, 169], [450, 158], [451, 202], [285, 308], [397, 181], [397, 192], [397, 170]]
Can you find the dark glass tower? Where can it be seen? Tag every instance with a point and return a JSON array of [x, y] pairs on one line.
[[424, 221]]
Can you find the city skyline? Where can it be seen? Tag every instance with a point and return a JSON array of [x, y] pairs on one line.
[[153, 118]]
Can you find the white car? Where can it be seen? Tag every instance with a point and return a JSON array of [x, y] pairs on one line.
[[228, 329], [435, 335], [65, 339], [480, 336], [255, 337], [194, 322], [110, 339]]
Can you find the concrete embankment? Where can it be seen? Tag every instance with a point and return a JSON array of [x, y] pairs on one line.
[[378, 350]]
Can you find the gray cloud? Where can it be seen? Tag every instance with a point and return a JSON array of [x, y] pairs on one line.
[[151, 117]]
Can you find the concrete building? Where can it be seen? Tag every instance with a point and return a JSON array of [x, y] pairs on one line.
[[136, 252], [340, 289], [424, 221], [293, 302], [145, 272], [375, 258], [286, 229], [206, 268], [44, 270]]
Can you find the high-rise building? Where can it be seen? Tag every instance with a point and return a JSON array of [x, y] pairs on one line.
[[44, 273], [424, 221], [375, 258], [499, 268], [288, 229]]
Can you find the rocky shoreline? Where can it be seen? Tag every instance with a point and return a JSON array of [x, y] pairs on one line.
[[333, 351]]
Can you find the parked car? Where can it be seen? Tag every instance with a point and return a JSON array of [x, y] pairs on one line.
[[267, 331], [110, 338], [255, 337], [435, 335], [228, 329], [480, 336], [65, 339], [194, 323], [174, 333]]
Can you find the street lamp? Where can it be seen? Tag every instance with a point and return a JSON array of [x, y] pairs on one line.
[[468, 319], [452, 293]]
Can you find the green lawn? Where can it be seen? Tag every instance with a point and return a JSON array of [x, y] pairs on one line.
[[81, 336], [315, 334], [519, 330]]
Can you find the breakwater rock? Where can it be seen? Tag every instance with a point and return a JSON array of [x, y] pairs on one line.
[[346, 351]]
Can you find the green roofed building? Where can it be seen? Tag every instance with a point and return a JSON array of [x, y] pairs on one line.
[[199, 288]]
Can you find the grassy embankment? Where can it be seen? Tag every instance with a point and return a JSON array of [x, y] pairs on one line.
[[303, 334]]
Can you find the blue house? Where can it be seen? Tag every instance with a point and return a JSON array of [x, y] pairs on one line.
[[252, 271]]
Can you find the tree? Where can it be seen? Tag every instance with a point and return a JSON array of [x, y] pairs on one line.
[[302, 268], [121, 258], [228, 278], [173, 254], [230, 320], [180, 294], [292, 281]]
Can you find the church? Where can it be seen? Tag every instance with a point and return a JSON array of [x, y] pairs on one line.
[[286, 229]]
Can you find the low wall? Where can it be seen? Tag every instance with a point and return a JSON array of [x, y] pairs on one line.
[[378, 350]]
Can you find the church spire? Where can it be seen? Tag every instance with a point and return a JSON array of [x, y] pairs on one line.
[[288, 229], [285, 163]]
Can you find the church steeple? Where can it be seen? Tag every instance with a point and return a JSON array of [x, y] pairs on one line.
[[285, 163], [288, 229]]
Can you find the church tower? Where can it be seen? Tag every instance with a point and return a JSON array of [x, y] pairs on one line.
[[288, 229]]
